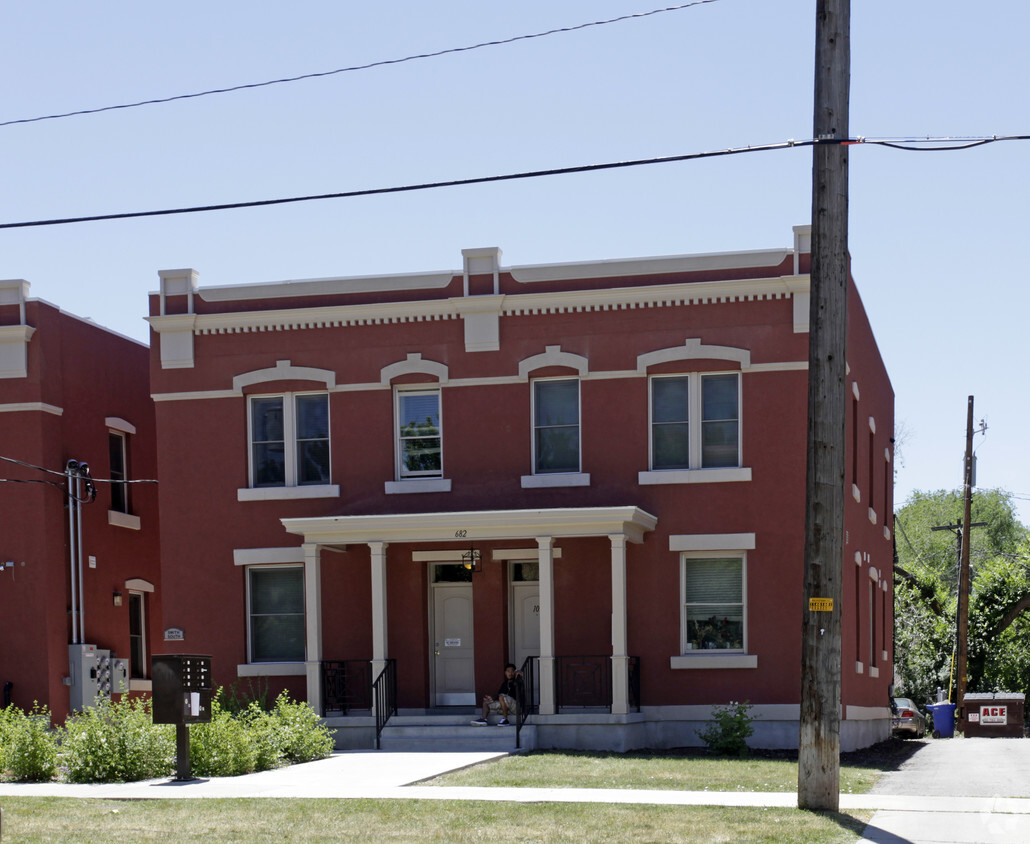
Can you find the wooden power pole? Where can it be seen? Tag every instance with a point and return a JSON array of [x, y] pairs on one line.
[[963, 573], [819, 740]]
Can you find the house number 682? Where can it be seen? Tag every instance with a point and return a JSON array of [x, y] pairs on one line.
[[460, 534]]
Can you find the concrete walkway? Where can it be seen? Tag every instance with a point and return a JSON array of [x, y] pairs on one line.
[[957, 812]]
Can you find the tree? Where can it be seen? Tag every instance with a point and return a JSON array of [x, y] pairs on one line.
[[925, 594]]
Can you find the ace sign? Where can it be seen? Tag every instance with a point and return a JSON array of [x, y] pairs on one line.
[[993, 715]]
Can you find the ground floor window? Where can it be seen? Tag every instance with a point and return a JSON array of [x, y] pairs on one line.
[[713, 603], [137, 637], [275, 596]]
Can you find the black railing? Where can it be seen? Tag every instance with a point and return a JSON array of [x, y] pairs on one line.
[[346, 685], [585, 682], [384, 689], [527, 705]]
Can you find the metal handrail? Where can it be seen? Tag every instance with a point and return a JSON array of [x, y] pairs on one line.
[[526, 705], [384, 691]]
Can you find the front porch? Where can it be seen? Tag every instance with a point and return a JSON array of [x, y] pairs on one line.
[[564, 684]]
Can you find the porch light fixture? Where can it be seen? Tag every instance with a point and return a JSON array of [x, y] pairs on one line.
[[471, 560], [117, 598]]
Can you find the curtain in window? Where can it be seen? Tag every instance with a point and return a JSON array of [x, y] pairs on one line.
[[714, 598]]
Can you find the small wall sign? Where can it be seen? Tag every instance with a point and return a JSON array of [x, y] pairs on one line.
[[994, 715], [820, 604], [174, 634], [452, 643]]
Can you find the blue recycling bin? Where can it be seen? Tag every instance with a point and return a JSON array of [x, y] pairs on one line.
[[943, 719]]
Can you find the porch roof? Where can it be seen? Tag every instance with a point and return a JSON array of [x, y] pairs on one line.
[[629, 521]]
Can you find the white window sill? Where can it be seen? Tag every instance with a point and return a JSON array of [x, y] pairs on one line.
[[114, 517], [272, 669], [886, 533], [883, 655], [693, 476], [705, 661], [557, 479], [872, 516], [141, 685], [859, 668], [421, 485], [874, 671], [284, 493], [856, 493]]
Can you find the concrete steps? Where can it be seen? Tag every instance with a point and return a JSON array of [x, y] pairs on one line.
[[447, 733]]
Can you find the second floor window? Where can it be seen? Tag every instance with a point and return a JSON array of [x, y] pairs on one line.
[[289, 440], [556, 426], [119, 471], [419, 435], [712, 403]]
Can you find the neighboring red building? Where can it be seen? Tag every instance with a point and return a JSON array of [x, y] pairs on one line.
[[77, 583], [616, 448]]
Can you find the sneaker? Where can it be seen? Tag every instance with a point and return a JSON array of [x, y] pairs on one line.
[[479, 722], [504, 722]]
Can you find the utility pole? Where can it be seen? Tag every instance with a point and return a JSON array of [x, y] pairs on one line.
[[963, 577], [819, 739]]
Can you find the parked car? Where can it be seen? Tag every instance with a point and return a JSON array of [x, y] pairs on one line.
[[906, 719]]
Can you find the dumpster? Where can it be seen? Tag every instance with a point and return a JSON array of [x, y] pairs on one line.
[[943, 719], [994, 714]]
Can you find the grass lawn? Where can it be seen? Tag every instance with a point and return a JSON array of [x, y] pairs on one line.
[[39, 819], [682, 772]]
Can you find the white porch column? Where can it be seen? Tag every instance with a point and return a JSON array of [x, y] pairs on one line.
[[379, 629], [313, 624], [546, 556], [620, 657]]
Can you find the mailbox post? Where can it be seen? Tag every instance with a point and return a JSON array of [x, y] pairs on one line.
[[182, 696]]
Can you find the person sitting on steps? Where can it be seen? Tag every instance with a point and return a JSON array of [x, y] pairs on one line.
[[508, 700]]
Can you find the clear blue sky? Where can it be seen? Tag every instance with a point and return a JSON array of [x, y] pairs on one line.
[[936, 237]]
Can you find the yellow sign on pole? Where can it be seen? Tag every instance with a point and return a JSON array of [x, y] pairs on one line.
[[820, 604]]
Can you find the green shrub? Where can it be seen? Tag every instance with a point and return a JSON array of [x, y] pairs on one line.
[[238, 699], [224, 747], [30, 745], [301, 735], [117, 742], [728, 733]]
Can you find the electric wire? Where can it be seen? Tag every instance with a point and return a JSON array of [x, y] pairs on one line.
[[909, 145], [353, 68], [65, 474]]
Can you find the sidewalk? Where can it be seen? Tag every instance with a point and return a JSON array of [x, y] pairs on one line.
[[380, 775]]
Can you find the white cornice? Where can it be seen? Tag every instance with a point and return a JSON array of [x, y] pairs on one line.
[[631, 522], [569, 301]]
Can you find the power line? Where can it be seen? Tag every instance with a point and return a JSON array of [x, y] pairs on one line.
[[912, 145], [353, 68]]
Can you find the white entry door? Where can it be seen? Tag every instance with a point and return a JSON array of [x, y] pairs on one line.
[[525, 614], [453, 647]]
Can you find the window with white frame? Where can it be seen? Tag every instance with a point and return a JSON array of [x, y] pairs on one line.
[[713, 603], [556, 426], [289, 440], [711, 399], [419, 434], [275, 613], [118, 451]]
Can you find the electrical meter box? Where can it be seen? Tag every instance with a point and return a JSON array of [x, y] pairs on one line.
[[181, 688], [94, 672]]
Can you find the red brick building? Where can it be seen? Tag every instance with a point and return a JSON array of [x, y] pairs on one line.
[[599, 467], [79, 572]]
